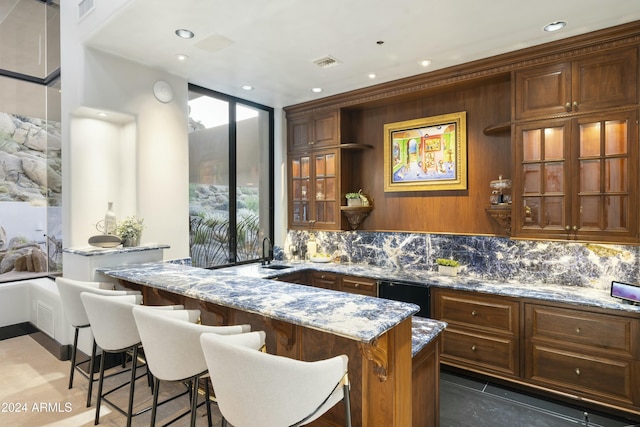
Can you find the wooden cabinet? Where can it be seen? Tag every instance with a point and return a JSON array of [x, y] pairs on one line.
[[359, 285], [314, 189], [591, 354], [585, 85], [314, 131], [577, 178], [482, 332]]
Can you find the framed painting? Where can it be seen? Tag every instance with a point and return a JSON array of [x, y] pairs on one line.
[[428, 154]]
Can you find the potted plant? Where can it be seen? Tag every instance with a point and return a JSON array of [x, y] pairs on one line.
[[447, 267], [353, 199], [357, 199], [130, 230]]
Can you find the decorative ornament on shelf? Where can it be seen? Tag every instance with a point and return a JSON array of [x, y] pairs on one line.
[[130, 230], [499, 191], [447, 267]]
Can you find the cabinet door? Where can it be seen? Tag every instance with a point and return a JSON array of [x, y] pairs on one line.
[[300, 188], [542, 180], [543, 91], [606, 189], [326, 205], [607, 80], [325, 129], [299, 133]]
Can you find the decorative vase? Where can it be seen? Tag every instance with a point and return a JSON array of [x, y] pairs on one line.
[[110, 220], [354, 202], [130, 242], [446, 270]]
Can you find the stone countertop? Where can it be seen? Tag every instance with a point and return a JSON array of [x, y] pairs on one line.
[[586, 296], [356, 317], [94, 250]]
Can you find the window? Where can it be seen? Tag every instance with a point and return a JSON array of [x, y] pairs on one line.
[[230, 178]]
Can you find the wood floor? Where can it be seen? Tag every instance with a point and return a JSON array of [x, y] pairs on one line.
[[33, 393]]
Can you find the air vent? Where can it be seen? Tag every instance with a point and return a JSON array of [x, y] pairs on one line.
[[84, 7], [326, 62], [44, 319]]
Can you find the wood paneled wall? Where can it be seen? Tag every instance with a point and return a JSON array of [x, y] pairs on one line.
[[460, 211]]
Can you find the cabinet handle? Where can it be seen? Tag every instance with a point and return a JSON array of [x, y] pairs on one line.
[[578, 330], [575, 228], [577, 371], [473, 348], [311, 142], [575, 105], [567, 228], [567, 106], [473, 313], [357, 284]]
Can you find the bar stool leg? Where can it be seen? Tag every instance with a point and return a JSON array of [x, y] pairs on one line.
[[194, 400], [91, 362], [99, 399], [208, 397], [134, 364], [154, 406], [73, 356]]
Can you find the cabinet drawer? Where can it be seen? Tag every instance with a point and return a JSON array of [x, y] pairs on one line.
[[611, 333], [359, 285], [488, 313], [491, 352], [325, 280], [602, 377]]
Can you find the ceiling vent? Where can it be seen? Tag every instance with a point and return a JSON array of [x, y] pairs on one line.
[[84, 7], [326, 62]]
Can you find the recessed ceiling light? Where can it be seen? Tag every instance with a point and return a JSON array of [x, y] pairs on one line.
[[425, 62], [247, 87], [316, 90], [182, 57], [185, 34], [554, 26], [372, 76]]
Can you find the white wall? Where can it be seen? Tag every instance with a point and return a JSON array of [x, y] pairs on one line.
[[158, 180]]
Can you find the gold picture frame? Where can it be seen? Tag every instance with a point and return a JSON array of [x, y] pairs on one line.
[[428, 154]]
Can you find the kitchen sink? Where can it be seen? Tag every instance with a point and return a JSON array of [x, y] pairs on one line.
[[276, 267]]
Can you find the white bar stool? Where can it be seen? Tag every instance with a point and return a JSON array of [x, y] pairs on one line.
[[115, 331], [76, 315], [260, 389], [171, 343]]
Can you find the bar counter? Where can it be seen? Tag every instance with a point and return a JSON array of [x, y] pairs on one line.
[[393, 367]]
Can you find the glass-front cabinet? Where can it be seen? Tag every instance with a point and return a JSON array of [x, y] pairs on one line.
[[577, 178], [314, 189]]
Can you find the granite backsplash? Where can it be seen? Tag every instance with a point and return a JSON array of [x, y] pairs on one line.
[[496, 258]]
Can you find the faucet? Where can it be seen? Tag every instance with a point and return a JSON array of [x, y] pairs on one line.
[[267, 257]]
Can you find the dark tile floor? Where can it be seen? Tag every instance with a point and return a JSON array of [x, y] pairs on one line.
[[470, 402]]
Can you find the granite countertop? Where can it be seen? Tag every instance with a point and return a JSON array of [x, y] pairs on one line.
[[585, 296], [356, 317], [94, 250]]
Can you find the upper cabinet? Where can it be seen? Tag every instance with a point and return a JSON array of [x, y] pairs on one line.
[[314, 131], [577, 178], [580, 86], [314, 189]]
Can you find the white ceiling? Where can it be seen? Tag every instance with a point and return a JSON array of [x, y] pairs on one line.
[[272, 44]]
